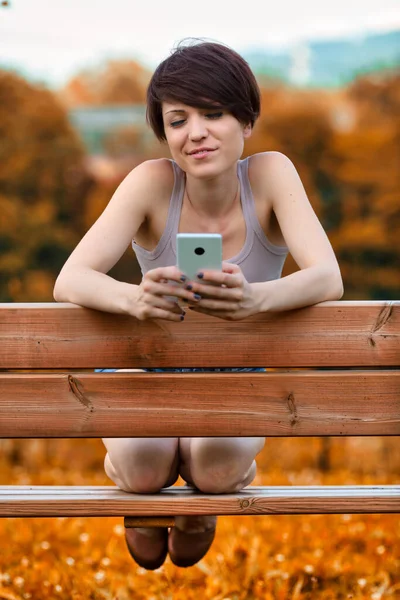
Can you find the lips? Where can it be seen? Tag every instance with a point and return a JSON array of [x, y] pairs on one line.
[[201, 151]]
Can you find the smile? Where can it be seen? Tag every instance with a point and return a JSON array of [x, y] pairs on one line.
[[201, 153]]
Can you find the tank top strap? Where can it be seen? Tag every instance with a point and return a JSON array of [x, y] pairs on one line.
[[175, 207], [249, 210], [172, 223], [248, 206]]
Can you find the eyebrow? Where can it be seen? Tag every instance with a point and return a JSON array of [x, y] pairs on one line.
[[177, 110]]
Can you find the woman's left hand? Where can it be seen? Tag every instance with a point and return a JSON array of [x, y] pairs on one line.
[[230, 297]]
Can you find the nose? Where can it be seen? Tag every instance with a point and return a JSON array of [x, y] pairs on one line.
[[197, 129]]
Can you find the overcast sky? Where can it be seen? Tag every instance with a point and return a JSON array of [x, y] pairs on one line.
[[50, 40]]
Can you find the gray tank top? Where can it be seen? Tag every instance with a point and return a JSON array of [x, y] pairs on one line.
[[259, 259]]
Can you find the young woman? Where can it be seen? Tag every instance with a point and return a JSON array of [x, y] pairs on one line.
[[203, 101]]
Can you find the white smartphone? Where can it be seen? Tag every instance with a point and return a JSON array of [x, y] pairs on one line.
[[198, 251]]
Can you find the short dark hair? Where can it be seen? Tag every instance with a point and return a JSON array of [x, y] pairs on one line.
[[204, 75]]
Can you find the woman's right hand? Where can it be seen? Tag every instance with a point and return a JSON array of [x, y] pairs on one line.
[[150, 301]]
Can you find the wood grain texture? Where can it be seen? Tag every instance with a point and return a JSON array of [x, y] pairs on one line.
[[65, 336], [109, 501], [131, 522], [297, 403]]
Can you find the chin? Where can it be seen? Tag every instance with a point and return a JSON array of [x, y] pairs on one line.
[[205, 170]]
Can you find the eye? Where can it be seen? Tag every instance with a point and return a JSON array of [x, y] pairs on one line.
[[177, 123], [214, 115]]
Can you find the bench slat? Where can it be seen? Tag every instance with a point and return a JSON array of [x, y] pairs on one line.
[[297, 403], [102, 501], [65, 336]]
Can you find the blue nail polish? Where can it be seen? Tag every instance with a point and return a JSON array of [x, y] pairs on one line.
[[197, 296], [200, 275], [183, 277], [188, 286]]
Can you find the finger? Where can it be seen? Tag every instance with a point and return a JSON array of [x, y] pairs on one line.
[[179, 310], [159, 313], [211, 313], [156, 312], [160, 302], [220, 279], [217, 305], [218, 292], [230, 268], [165, 273], [162, 289]]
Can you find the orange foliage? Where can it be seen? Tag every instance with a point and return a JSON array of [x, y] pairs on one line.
[[345, 145], [117, 82], [327, 557], [41, 185], [362, 162]]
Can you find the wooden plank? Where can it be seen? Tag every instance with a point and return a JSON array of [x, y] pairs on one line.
[[131, 522], [297, 403], [66, 336], [109, 501]]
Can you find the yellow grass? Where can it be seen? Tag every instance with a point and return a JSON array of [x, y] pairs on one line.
[[268, 558]]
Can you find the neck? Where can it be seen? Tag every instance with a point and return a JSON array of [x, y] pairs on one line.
[[213, 198]]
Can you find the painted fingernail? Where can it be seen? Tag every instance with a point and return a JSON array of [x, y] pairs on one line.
[[188, 286], [182, 317], [183, 277], [196, 296], [200, 275]]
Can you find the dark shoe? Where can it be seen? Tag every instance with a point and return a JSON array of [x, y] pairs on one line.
[[190, 539], [148, 546]]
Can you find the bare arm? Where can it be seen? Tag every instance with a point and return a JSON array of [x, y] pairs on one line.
[[319, 278], [83, 279]]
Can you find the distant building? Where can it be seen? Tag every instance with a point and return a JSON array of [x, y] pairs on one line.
[[95, 123], [299, 70], [328, 63]]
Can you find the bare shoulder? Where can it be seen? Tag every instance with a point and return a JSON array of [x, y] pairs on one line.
[[274, 177], [149, 179], [266, 165], [107, 239], [300, 226], [160, 168]]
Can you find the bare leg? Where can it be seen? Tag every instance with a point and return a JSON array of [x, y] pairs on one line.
[[143, 465], [219, 465], [214, 465]]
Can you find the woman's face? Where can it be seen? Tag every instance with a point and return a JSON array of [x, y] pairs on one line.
[[203, 142]]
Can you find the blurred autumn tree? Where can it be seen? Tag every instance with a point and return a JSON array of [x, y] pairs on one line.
[[116, 82], [345, 144], [346, 147], [113, 85], [42, 181], [297, 123], [362, 165]]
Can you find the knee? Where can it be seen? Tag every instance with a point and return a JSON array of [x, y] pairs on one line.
[[141, 467], [223, 465], [225, 480]]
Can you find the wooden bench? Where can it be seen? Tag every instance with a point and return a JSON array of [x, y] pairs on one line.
[[337, 375]]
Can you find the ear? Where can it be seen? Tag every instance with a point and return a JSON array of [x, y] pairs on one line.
[[247, 130]]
